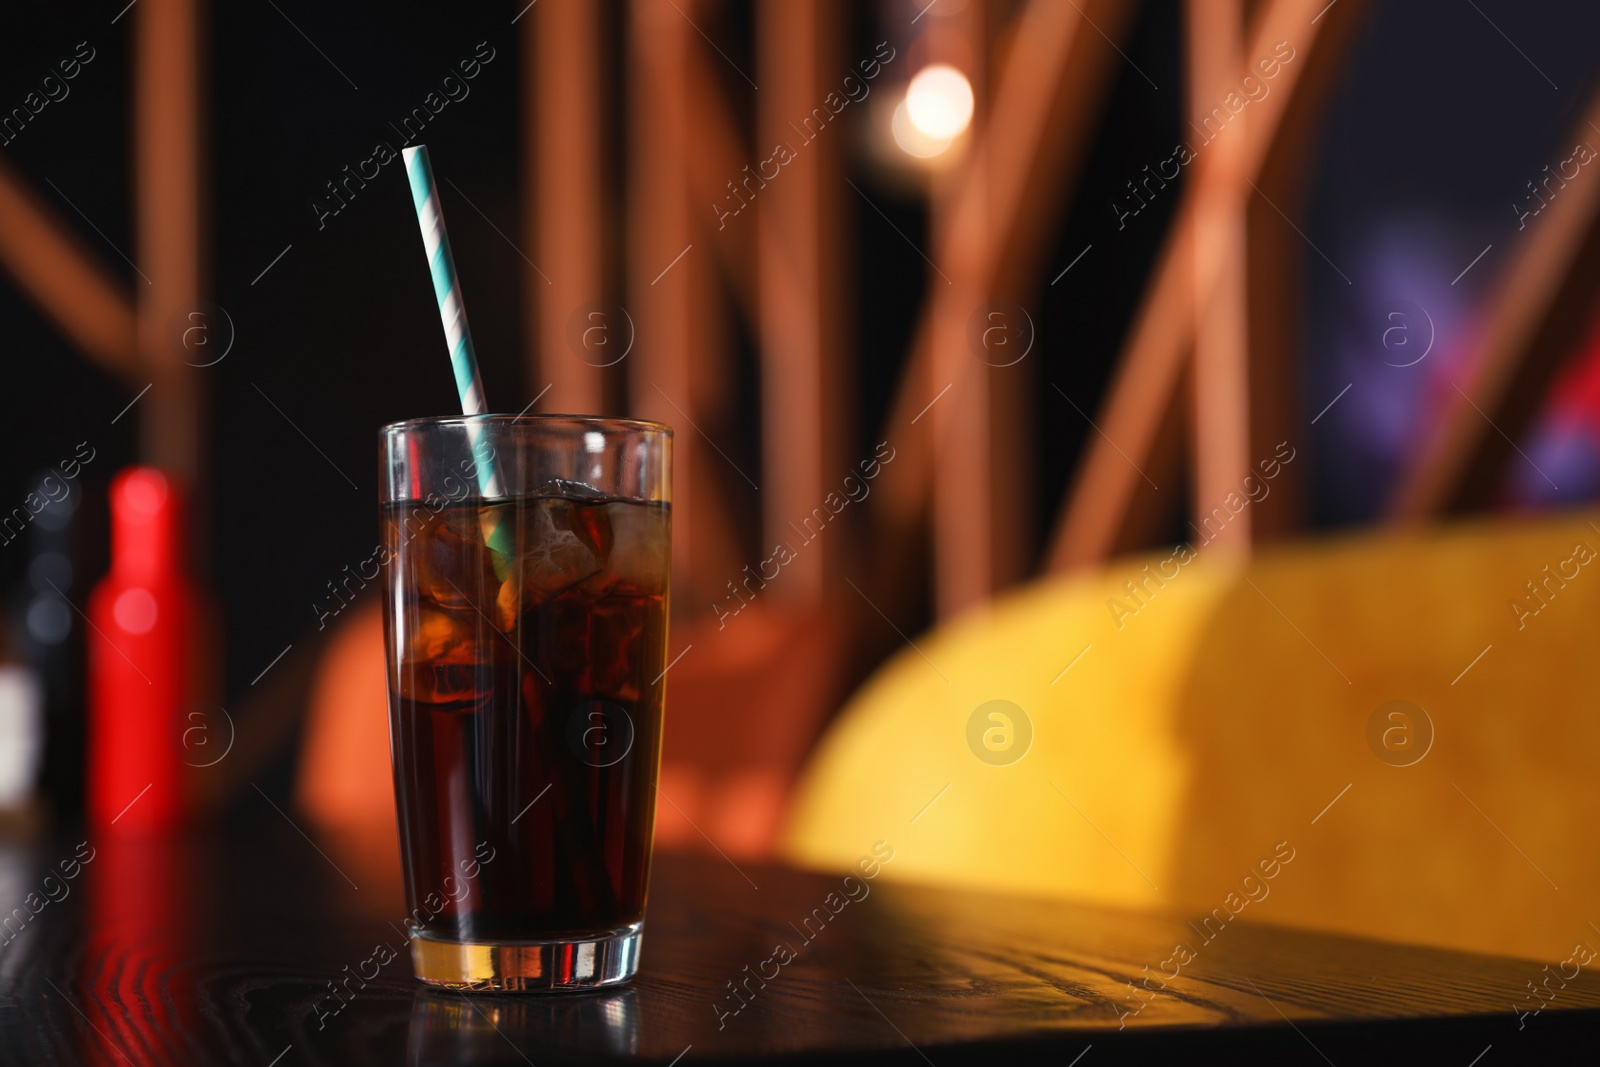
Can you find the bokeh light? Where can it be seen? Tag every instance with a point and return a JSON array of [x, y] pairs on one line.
[[939, 101], [912, 141]]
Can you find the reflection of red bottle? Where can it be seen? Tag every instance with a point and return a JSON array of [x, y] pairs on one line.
[[140, 678]]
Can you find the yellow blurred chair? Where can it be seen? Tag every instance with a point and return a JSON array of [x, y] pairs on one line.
[[1192, 729]]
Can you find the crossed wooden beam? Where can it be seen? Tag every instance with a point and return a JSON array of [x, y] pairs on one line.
[[1028, 151], [1109, 508], [1535, 318], [957, 459], [1048, 87], [128, 327]]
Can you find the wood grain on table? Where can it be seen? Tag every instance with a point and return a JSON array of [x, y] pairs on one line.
[[247, 946]]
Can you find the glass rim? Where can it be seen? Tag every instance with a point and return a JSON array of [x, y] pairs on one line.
[[597, 422]]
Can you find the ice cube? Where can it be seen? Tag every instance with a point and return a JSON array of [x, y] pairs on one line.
[[562, 487], [592, 523], [556, 550], [443, 656], [447, 563], [641, 545], [552, 555], [508, 603]]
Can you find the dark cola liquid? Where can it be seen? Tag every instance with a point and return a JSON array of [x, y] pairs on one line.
[[525, 698]]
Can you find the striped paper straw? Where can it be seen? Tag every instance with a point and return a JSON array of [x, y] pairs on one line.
[[463, 359]]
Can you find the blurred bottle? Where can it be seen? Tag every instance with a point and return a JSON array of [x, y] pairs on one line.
[[21, 737], [141, 660], [63, 545]]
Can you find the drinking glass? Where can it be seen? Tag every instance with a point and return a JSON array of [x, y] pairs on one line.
[[525, 623]]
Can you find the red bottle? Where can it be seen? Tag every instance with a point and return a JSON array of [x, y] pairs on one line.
[[141, 674]]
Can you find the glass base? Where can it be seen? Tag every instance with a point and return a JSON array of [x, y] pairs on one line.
[[529, 966]]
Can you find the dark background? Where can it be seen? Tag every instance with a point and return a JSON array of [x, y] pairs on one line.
[[1433, 129]]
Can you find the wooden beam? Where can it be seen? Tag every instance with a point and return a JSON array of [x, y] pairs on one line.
[[1047, 91], [1213, 31], [715, 169], [803, 402], [1276, 263], [1537, 315], [563, 111], [1094, 521], [1103, 497], [980, 465], [168, 227], [1046, 96], [69, 283], [659, 235], [676, 367]]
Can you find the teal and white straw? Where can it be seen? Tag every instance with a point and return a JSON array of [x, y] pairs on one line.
[[442, 265], [463, 359]]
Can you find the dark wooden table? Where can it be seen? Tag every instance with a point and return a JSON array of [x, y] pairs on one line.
[[225, 949]]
